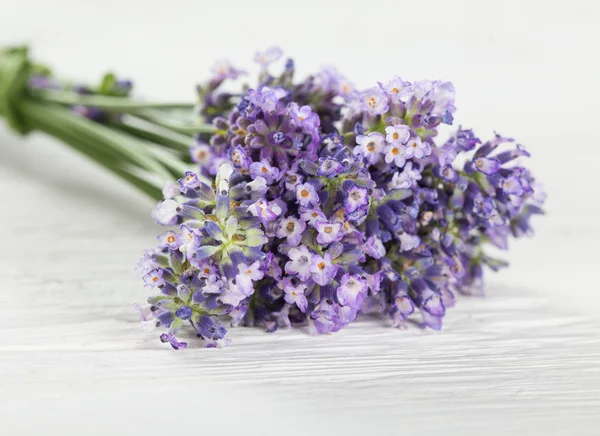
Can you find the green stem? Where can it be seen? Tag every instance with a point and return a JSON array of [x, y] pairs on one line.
[[154, 133], [124, 144], [106, 103], [103, 156], [189, 129]]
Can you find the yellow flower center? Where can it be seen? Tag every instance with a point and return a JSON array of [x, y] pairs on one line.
[[304, 193], [321, 265]]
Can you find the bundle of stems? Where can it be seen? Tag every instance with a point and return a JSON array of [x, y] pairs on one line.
[[144, 142]]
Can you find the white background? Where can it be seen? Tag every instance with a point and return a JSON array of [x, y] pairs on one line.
[[525, 360]]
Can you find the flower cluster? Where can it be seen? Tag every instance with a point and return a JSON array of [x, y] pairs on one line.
[[316, 202]]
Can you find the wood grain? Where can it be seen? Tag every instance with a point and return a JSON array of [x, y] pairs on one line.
[[74, 359]]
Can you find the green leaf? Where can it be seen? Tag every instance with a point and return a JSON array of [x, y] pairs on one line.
[[107, 85]]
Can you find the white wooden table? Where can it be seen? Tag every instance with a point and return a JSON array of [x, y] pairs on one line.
[[524, 360]]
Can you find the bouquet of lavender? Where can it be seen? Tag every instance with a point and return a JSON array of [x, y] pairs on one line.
[[312, 202]]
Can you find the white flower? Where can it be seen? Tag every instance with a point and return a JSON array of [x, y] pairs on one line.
[[258, 185], [374, 101], [300, 261], [408, 242], [398, 89], [397, 135], [171, 190], [370, 147], [417, 148], [395, 153], [232, 295], [246, 275], [291, 228], [166, 212], [306, 194], [201, 154], [406, 178]]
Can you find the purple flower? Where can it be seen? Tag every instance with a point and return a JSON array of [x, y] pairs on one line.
[[167, 337], [330, 80], [240, 158], [325, 318], [209, 328], [146, 264], [154, 278], [322, 269], [330, 167], [295, 295], [246, 275], [292, 180], [291, 228], [374, 247], [265, 170], [304, 116], [328, 232], [406, 179], [311, 216], [374, 101], [443, 97], [266, 99], [398, 90], [213, 284], [300, 262], [266, 211], [357, 198], [352, 291], [408, 242], [403, 308], [267, 57], [512, 185], [306, 194], [370, 147], [224, 70], [168, 240], [184, 312], [188, 239], [232, 295], [417, 148], [315, 203], [190, 181], [487, 166]]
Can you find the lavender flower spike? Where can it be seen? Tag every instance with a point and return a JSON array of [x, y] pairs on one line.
[[316, 202]]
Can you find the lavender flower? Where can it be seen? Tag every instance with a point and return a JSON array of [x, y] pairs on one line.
[[325, 202]]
